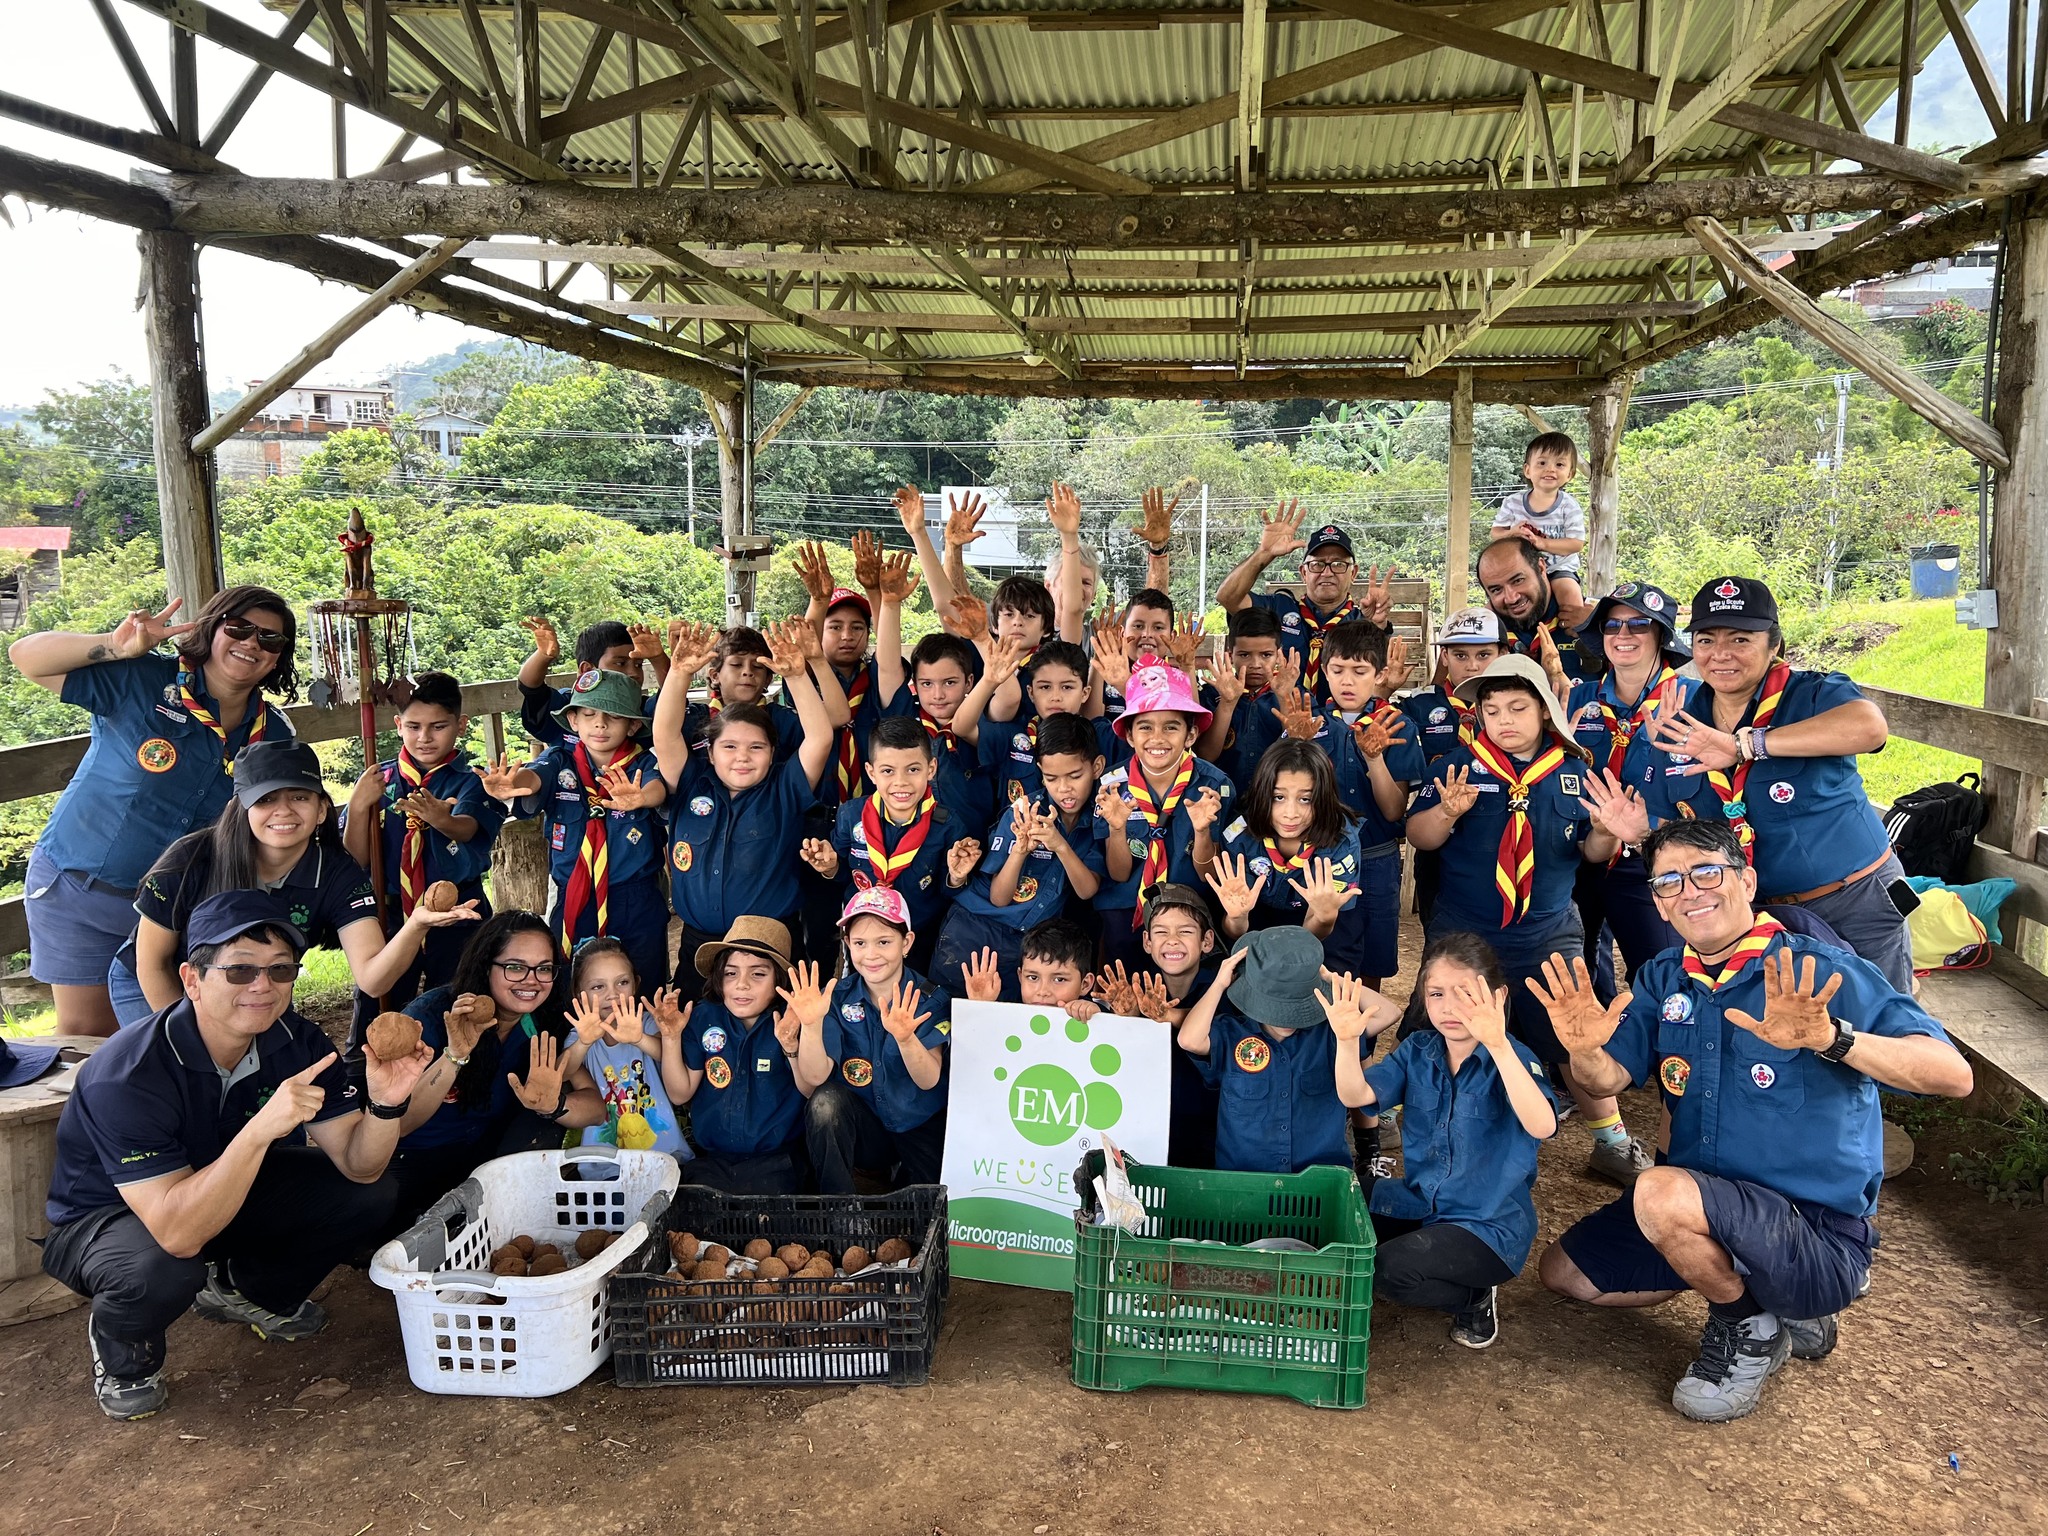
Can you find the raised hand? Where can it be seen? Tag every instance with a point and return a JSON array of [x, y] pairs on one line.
[[691, 647], [961, 859], [813, 570], [867, 560], [1297, 715], [618, 790], [1228, 881], [671, 1015], [1349, 1004], [588, 1020], [1228, 681], [897, 576], [899, 1012], [546, 643], [1377, 601], [1553, 664], [1321, 891], [501, 779], [820, 855], [910, 509], [806, 998], [541, 1092], [963, 520], [1153, 1002], [1118, 993], [1184, 641], [1456, 794], [1397, 662], [1483, 1011], [1378, 731], [1155, 524], [787, 655], [1280, 530], [1114, 807], [646, 643], [1566, 993], [1063, 509], [983, 980], [1615, 808], [1795, 1012], [1203, 809], [464, 1025], [295, 1101], [969, 618], [626, 1022], [1112, 658]]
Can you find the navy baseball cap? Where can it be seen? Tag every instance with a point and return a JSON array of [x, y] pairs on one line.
[[265, 766], [1648, 599], [224, 918], [21, 1062], [1330, 533], [1733, 602]]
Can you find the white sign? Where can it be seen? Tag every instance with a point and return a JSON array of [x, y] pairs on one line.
[[1031, 1090]]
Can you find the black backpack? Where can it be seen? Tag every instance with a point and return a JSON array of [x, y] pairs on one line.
[[1933, 829]]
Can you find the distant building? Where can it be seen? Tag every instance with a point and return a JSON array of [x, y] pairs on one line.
[[294, 426], [1966, 279], [996, 550], [444, 433], [21, 585]]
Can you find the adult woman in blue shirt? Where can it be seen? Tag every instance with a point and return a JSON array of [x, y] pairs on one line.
[[164, 731]]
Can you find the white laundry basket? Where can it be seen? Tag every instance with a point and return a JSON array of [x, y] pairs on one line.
[[472, 1333]]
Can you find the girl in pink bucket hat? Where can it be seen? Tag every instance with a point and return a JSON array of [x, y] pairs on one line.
[[1157, 813]]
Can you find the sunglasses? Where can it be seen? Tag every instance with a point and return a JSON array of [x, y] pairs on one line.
[[284, 973], [1704, 877], [1628, 626], [519, 970], [271, 640]]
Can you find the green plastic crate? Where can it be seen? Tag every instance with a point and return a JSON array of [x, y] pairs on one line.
[[1168, 1307]]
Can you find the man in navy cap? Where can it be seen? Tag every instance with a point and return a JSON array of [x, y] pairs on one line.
[[1328, 567], [183, 1175]]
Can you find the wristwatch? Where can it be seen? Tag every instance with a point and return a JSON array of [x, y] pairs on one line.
[[384, 1111], [1845, 1037]]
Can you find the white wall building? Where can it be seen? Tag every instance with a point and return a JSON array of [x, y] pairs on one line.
[[444, 433], [334, 406]]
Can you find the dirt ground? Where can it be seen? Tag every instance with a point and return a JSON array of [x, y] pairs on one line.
[[1564, 1425]]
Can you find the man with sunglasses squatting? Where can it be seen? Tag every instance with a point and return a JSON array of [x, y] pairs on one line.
[[165, 731]]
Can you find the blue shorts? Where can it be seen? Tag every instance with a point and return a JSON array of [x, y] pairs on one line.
[[1367, 938], [1799, 1260], [639, 921], [965, 935], [75, 924]]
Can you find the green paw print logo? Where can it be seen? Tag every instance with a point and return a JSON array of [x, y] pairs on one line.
[[1047, 1105]]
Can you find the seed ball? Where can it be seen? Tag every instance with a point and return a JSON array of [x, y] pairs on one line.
[[593, 1242], [760, 1248], [894, 1251], [856, 1260], [772, 1268], [548, 1262], [439, 897], [524, 1244], [708, 1269], [795, 1255], [392, 1037]]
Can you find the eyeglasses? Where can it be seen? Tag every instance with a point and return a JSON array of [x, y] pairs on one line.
[[1327, 567], [284, 973], [519, 970], [271, 640], [1704, 877], [1628, 626]]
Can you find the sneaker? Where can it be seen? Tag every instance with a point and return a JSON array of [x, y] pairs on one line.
[[224, 1304], [125, 1397], [1478, 1328], [1619, 1162], [1813, 1338], [1736, 1359]]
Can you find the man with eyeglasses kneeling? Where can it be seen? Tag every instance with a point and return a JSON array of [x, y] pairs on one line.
[[1769, 1049], [184, 1177]]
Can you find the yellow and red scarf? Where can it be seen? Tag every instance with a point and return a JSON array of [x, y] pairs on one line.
[[849, 771], [1728, 785], [1753, 944], [942, 737], [1514, 870], [412, 847], [1282, 864], [886, 866], [1312, 664], [1622, 728], [1157, 812], [591, 880], [189, 697]]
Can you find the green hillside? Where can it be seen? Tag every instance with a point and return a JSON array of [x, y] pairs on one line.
[[1922, 650]]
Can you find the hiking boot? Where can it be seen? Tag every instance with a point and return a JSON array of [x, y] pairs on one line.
[[124, 1380], [222, 1303], [1619, 1162], [1735, 1360], [1813, 1338], [1478, 1327]]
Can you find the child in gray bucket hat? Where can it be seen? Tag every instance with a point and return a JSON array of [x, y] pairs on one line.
[[1259, 1034]]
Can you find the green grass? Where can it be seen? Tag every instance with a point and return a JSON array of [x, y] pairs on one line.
[[323, 987], [1929, 654]]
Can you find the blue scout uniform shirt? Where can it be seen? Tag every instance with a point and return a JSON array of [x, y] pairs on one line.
[[958, 779], [1239, 841], [1813, 820], [151, 1102], [862, 725], [1595, 736], [539, 706], [628, 1079], [789, 728], [1042, 886], [1012, 770], [923, 884], [1741, 1108], [1403, 758], [1278, 1110], [1560, 824], [1464, 1155], [732, 855], [749, 1103], [1294, 634], [1433, 722], [632, 839], [1254, 726], [455, 1124], [868, 1060], [463, 864], [1178, 831], [151, 772]]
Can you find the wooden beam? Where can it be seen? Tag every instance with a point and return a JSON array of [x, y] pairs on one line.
[[54, 184], [999, 310], [1976, 66], [1458, 532], [323, 346], [1500, 298], [132, 65], [258, 77], [525, 123], [1606, 421], [1251, 79], [177, 387], [784, 417], [1950, 419], [152, 147], [486, 55]]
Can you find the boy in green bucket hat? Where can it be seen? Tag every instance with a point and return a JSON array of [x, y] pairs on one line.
[[598, 795], [1260, 1035]]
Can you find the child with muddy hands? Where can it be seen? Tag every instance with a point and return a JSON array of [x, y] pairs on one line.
[[1460, 1219], [616, 1054], [1053, 972], [607, 646]]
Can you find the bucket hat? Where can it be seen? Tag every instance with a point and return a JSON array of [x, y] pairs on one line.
[[1157, 687], [1280, 982]]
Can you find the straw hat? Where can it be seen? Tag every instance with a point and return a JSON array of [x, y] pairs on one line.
[[761, 936]]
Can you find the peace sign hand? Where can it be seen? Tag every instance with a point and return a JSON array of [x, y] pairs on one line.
[[1377, 602], [1457, 794], [542, 1090], [1795, 1013], [1566, 993], [142, 631]]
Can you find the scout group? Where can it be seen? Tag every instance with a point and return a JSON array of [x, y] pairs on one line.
[[1024, 806]]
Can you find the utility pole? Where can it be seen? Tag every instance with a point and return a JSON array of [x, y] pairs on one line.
[[1202, 558]]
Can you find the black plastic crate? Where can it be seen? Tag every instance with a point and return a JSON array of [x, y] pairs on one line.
[[880, 1328]]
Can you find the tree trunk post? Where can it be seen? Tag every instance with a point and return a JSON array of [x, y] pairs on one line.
[[731, 425], [1606, 420], [177, 378], [1458, 540]]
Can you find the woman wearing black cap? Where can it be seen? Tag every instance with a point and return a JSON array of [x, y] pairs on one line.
[[278, 834], [1632, 654]]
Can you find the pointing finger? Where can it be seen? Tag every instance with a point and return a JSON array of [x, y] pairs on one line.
[[313, 1071]]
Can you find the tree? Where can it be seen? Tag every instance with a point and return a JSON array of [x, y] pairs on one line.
[[480, 381]]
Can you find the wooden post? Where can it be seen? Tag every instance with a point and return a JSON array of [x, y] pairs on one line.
[[177, 381], [2016, 652], [730, 425], [1458, 540], [1606, 420]]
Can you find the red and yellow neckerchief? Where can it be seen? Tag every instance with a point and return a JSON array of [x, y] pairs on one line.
[[1312, 665], [590, 881], [1622, 728], [1157, 812], [942, 737], [1514, 870], [1283, 865], [412, 847], [848, 772], [260, 717], [887, 866], [1753, 944], [1728, 785]]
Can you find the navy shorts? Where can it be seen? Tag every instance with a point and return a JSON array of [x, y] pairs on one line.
[[965, 935], [76, 925], [1799, 1260], [1367, 938]]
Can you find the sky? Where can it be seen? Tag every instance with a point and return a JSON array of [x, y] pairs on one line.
[[70, 281]]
